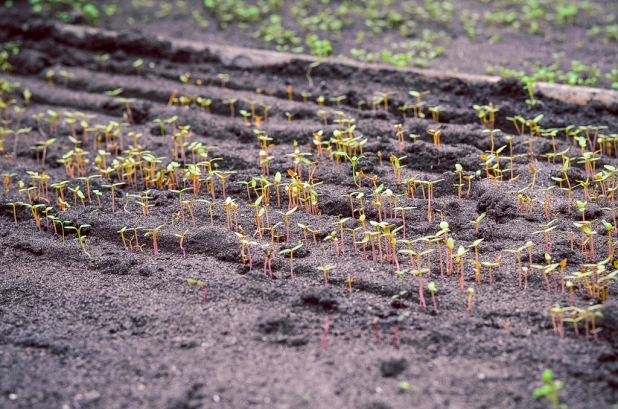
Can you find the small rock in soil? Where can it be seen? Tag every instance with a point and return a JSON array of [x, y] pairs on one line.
[[393, 367], [322, 299]]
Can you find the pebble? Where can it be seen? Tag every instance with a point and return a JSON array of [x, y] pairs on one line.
[[12, 396], [216, 398]]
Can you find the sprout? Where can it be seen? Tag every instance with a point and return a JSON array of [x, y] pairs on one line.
[[182, 238], [291, 251], [550, 390], [81, 238], [154, 232], [192, 281], [325, 269], [477, 222], [325, 333], [433, 289], [137, 64], [470, 294]]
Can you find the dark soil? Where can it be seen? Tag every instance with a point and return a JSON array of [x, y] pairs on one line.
[[494, 44], [124, 329]]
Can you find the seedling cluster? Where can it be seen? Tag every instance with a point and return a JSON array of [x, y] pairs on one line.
[[277, 209]]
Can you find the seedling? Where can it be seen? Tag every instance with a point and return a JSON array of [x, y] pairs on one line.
[[268, 254], [81, 238], [113, 187], [376, 332], [223, 78], [325, 333], [124, 241], [550, 390], [66, 75], [127, 103], [154, 232], [291, 251], [287, 222], [333, 237], [197, 283], [418, 113], [477, 223], [325, 269], [14, 205], [419, 273], [396, 330], [530, 81], [137, 64], [433, 289], [349, 282], [180, 201], [435, 112], [182, 238], [470, 292]]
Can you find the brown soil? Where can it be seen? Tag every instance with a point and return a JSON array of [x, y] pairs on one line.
[[124, 329]]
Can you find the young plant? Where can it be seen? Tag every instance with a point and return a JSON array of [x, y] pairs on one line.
[[419, 273], [112, 188], [182, 238], [268, 254], [550, 390], [154, 232], [470, 294], [325, 269], [433, 289], [14, 205], [396, 330], [81, 238], [197, 283], [477, 223], [287, 222], [180, 201], [291, 251], [349, 282], [325, 333]]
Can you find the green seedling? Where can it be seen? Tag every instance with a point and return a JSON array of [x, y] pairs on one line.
[[433, 289], [550, 390], [114, 92], [182, 238], [477, 223], [197, 283], [325, 269], [112, 188], [180, 201], [14, 205], [154, 232], [66, 75], [137, 64], [127, 103], [420, 273], [530, 81], [287, 222], [124, 241], [470, 294], [396, 330], [291, 251], [81, 238], [349, 282]]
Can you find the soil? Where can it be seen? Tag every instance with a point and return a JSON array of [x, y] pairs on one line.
[[124, 329], [495, 45]]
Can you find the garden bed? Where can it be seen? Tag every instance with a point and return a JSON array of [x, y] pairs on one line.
[[99, 325]]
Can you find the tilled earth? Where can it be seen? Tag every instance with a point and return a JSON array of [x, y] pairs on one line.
[[124, 329]]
